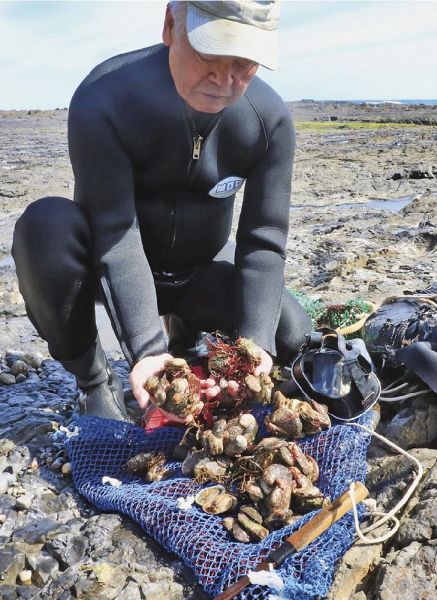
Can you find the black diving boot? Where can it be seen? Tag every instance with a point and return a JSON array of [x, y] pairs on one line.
[[101, 390]]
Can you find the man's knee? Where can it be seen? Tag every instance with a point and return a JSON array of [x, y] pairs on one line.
[[40, 214], [46, 220]]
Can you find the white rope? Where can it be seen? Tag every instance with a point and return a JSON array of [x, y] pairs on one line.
[[405, 396], [390, 515], [390, 390], [394, 383]]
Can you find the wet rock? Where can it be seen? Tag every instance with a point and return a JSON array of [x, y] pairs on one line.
[[29, 592], [12, 561], [49, 503], [358, 561], [7, 504], [68, 548], [33, 359], [8, 592], [6, 480], [31, 537], [162, 589], [23, 502], [7, 378], [82, 586], [420, 524], [6, 446], [11, 356], [409, 573], [19, 459], [107, 580], [99, 530], [43, 568], [130, 592], [19, 366], [21, 425], [389, 476], [414, 426]]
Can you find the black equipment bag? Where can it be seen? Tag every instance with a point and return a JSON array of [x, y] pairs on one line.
[[338, 373]]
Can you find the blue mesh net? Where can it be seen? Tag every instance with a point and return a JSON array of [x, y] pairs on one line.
[[102, 447]]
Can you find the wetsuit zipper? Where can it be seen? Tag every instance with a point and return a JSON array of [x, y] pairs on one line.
[[198, 143]]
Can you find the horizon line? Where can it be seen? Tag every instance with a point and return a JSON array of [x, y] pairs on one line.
[[351, 100]]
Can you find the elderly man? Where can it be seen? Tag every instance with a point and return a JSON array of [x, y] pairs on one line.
[[160, 141]]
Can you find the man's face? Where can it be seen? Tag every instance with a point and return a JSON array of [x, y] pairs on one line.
[[207, 83]]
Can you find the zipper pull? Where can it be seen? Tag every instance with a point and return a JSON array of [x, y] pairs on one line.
[[196, 148]]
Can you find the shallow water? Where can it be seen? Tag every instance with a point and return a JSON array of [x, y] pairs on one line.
[[392, 205]]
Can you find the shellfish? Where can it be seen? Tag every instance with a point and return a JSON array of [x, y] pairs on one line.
[[215, 500], [176, 389]]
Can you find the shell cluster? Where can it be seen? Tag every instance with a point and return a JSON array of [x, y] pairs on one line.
[[176, 389], [274, 478], [150, 466], [219, 446], [296, 418], [279, 480]]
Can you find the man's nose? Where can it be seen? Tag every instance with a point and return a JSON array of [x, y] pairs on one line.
[[222, 74]]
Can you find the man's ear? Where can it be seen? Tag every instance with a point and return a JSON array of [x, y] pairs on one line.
[[168, 27]]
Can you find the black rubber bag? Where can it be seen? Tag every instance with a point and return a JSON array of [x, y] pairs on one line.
[[338, 373]]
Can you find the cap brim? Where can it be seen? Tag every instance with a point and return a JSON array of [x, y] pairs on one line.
[[212, 35]]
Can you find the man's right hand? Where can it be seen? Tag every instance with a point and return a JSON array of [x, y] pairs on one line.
[[141, 372]]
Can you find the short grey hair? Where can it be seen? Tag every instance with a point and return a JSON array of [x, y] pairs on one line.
[[179, 11]]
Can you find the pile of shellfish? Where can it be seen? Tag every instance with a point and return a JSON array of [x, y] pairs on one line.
[[231, 381], [176, 389], [292, 418], [272, 480], [278, 483]]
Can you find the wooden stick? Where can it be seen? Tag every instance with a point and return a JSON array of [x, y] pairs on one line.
[[301, 538]]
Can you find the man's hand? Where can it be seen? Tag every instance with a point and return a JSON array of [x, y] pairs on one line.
[[140, 373], [266, 363]]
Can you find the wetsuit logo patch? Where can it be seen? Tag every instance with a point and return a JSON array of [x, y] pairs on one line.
[[226, 187]]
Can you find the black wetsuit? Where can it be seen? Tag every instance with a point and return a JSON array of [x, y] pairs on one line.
[[155, 214]]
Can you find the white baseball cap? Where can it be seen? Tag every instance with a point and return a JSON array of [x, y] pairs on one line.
[[248, 29]]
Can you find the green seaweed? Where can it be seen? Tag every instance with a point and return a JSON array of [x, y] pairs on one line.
[[332, 315]]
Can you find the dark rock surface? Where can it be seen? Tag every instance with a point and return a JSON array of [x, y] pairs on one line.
[[70, 549], [55, 545]]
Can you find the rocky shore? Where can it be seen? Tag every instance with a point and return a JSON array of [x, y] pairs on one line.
[[356, 166]]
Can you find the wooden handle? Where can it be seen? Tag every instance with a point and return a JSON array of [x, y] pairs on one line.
[[326, 517]]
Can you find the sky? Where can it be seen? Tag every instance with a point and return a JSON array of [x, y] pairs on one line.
[[343, 50]]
